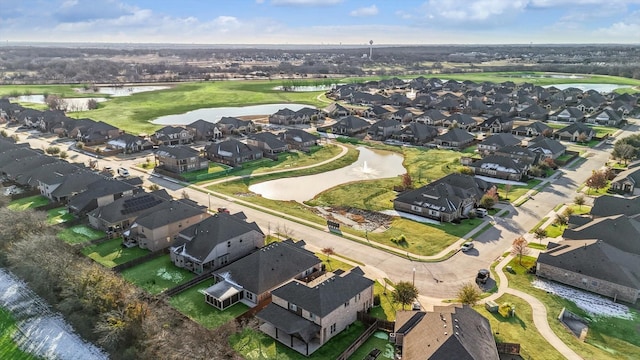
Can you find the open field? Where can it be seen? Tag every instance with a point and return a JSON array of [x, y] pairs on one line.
[[608, 338], [157, 275], [8, 348], [112, 253], [30, 202], [191, 303]]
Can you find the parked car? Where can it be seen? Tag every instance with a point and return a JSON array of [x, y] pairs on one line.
[[416, 306], [466, 246], [481, 212], [483, 276], [123, 172], [223, 210]]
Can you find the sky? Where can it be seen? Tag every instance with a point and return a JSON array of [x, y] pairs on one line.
[[321, 22]]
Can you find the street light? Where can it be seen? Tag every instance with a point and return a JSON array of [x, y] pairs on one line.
[[209, 195], [414, 276]]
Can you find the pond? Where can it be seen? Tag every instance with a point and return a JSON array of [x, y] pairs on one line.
[[306, 88], [122, 90], [73, 104], [601, 88], [215, 114], [371, 164]]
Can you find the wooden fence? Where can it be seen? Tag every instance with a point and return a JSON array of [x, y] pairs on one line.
[[193, 282], [358, 342], [140, 260]]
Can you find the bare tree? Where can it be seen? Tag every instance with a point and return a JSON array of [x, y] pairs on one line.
[[519, 248], [328, 251]]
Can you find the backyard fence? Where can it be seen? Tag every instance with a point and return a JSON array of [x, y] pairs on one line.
[[193, 282], [140, 260], [358, 342]]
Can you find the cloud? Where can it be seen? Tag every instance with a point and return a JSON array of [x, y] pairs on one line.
[[305, 2], [85, 10], [628, 28], [475, 10], [564, 3], [365, 11]]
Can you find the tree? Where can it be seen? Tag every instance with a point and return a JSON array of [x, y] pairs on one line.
[[55, 102], [519, 247], [582, 137], [487, 201], [3, 133], [540, 234], [154, 187], [597, 180], [405, 293], [469, 293], [92, 104], [561, 219], [80, 145], [185, 194], [407, 182], [52, 150], [507, 188], [579, 200], [63, 155], [623, 151]]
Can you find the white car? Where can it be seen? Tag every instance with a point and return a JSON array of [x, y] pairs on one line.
[[466, 246]]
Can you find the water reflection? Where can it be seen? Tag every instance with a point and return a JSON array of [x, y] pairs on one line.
[[371, 164], [215, 114]]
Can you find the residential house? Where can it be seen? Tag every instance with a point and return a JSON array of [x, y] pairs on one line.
[[118, 215], [576, 132], [460, 121], [304, 316], [417, 133], [157, 230], [500, 167], [383, 129], [496, 124], [447, 332], [299, 139], [9, 111], [475, 107], [284, 116], [29, 117], [172, 135], [179, 159], [348, 125], [587, 105], [606, 205], [625, 182], [569, 114], [129, 144], [269, 143], [232, 152], [251, 278], [22, 170], [534, 112], [376, 112], [432, 117], [547, 147], [336, 110], [496, 141], [454, 138], [215, 242], [98, 133], [535, 128], [203, 130], [447, 199], [232, 125], [403, 115], [518, 153], [60, 188], [501, 109], [100, 193], [606, 117]]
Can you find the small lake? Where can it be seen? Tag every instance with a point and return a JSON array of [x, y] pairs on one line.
[[73, 104], [601, 88], [215, 114], [116, 91], [305, 88], [371, 164]]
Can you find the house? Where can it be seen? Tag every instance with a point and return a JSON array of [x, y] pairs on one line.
[[569, 114], [215, 242], [447, 199], [336, 110], [284, 116], [348, 125], [417, 133], [129, 144], [203, 130], [496, 124], [98, 133], [304, 316], [606, 205], [251, 278], [500, 167], [535, 128], [299, 139], [157, 230], [534, 112], [269, 143], [376, 112], [625, 182], [100, 193], [607, 117], [496, 141], [403, 115], [179, 159], [454, 138], [576, 132], [432, 117], [118, 215], [475, 107], [546, 147], [172, 135], [232, 152], [383, 129], [9, 111], [461, 121], [594, 265], [447, 332], [588, 105], [518, 153], [22, 170], [231, 125]]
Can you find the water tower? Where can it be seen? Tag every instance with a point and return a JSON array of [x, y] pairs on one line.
[[370, 48]]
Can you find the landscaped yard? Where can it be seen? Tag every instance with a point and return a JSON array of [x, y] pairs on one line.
[[78, 234], [59, 215], [387, 309], [332, 263], [255, 345], [30, 202], [191, 303], [608, 338], [379, 340], [157, 275], [112, 253], [554, 230], [8, 348], [516, 191]]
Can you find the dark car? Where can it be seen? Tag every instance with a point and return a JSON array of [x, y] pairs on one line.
[[483, 276]]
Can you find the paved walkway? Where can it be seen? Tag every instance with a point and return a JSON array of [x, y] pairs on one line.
[[538, 310]]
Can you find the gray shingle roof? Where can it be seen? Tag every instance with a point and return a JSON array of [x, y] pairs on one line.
[[620, 231], [613, 205], [168, 213]]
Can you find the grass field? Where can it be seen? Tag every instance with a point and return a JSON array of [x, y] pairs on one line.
[[58, 215], [255, 345], [8, 348], [157, 275], [112, 253], [191, 303], [333, 263], [608, 338], [516, 191], [79, 234], [30, 202]]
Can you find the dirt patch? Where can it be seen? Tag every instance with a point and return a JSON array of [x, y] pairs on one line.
[[358, 219]]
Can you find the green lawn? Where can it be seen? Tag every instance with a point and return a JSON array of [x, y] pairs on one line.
[[157, 275], [608, 338], [387, 349], [191, 303], [30, 202], [59, 215], [8, 348], [387, 309], [333, 263], [537, 246], [255, 345], [111, 253], [516, 191], [78, 234]]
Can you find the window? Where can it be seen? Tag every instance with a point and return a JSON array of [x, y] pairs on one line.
[[293, 307], [228, 243], [346, 304], [358, 297], [249, 296], [333, 328], [312, 316]]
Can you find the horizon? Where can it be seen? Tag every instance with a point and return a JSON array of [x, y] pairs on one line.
[[322, 22]]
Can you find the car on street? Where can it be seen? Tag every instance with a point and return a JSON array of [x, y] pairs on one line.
[[481, 212], [483, 276], [466, 246]]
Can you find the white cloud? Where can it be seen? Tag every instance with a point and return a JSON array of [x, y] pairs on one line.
[[628, 28], [564, 3], [365, 11], [305, 2], [474, 10]]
